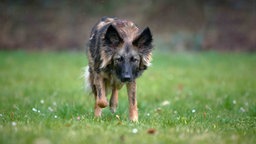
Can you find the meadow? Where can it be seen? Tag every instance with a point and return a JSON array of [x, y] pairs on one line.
[[206, 97]]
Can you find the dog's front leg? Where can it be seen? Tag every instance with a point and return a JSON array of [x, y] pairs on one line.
[[133, 110], [101, 99]]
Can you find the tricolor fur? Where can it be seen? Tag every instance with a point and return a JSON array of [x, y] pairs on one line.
[[118, 53]]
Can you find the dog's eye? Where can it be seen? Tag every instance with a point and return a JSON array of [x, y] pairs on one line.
[[133, 59], [119, 59]]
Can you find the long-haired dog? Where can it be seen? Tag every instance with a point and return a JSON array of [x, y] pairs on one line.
[[118, 53]]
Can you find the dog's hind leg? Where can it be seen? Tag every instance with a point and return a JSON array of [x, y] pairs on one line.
[[114, 100], [133, 110]]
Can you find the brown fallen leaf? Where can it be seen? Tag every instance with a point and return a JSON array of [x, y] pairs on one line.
[[151, 131]]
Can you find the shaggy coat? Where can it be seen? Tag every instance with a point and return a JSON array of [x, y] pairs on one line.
[[118, 53]]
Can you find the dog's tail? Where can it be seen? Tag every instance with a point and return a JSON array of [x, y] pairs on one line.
[[86, 77]]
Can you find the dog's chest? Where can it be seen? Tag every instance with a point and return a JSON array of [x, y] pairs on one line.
[[111, 80]]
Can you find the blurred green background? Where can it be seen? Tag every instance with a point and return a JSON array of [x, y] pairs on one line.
[[184, 97], [223, 25]]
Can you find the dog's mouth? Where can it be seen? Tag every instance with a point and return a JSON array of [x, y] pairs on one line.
[[125, 80]]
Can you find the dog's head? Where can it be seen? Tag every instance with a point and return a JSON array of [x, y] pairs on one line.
[[127, 51]]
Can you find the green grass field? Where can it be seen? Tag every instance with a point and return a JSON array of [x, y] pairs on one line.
[[183, 98]]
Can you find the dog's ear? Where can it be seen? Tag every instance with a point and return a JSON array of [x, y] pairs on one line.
[[144, 39], [112, 37]]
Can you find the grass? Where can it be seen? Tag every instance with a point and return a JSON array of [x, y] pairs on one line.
[[183, 98]]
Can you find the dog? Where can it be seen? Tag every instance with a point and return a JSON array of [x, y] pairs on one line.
[[118, 52]]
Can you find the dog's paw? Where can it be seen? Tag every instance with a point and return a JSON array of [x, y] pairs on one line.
[[134, 119], [113, 109], [97, 112], [133, 115]]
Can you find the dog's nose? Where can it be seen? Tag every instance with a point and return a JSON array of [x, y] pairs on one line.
[[126, 78]]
